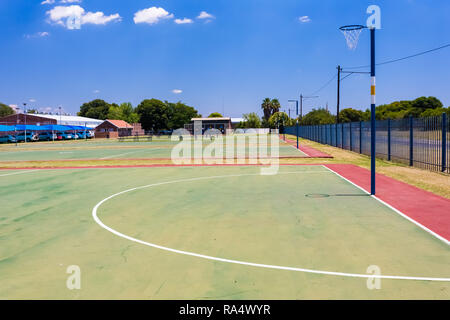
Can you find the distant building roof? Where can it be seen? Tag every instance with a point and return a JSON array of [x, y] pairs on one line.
[[211, 119], [72, 120], [120, 124]]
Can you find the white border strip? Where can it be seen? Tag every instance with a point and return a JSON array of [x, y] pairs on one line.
[[21, 172], [394, 209], [258, 265]]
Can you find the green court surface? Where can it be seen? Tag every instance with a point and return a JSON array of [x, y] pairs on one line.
[[235, 213], [114, 150]]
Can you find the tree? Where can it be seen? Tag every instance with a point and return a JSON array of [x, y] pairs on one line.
[[318, 116], [180, 114], [266, 106], [351, 115], [96, 109], [251, 120], [279, 119], [419, 107], [154, 114], [215, 115], [123, 112], [5, 110], [270, 107]]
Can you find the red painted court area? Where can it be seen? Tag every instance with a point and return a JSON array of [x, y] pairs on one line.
[[309, 151], [429, 210]]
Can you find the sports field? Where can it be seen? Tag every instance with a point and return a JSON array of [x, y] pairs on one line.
[[207, 233], [105, 149]]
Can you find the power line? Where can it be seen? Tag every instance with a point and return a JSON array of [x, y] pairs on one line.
[[404, 58], [324, 86]]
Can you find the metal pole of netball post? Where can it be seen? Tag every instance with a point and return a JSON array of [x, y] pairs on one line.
[[372, 112]]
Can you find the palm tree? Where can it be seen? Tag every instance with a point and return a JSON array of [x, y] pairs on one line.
[[275, 106], [267, 108]]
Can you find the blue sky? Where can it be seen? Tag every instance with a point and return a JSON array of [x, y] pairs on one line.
[[227, 59]]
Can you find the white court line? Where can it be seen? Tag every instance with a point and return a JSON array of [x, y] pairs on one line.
[[121, 154], [258, 265], [21, 172], [394, 209], [296, 147]]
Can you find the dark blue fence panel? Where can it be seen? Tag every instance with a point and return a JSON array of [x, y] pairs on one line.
[[422, 142]]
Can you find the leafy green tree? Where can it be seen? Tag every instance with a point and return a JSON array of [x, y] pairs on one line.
[[180, 114], [279, 119], [123, 112], [96, 109], [403, 109], [5, 110], [318, 116], [215, 115], [154, 114], [351, 115], [251, 120], [435, 112]]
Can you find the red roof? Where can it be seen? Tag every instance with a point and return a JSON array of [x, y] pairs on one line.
[[120, 124]]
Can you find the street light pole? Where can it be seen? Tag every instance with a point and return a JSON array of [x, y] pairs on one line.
[[25, 120]]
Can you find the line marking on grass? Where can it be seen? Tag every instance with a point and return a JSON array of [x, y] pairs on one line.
[[21, 172], [392, 208], [258, 265], [121, 154]]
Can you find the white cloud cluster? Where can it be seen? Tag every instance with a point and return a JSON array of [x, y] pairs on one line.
[[155, 15], [184, 21], [62, 1], [177, 91], [74, 15], [205, 15], [304, 19], [152, 15], [37, 35]]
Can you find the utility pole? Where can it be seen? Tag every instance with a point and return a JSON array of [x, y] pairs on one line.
[[338, 92]]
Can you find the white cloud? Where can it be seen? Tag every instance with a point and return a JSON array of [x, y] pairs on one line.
[[205, 15], [304, 19], [32, 100], [37, 35], [62, 1], [72, 17], [96, 91], [183, 21], [177, 91], [99, 18], [151, 15]]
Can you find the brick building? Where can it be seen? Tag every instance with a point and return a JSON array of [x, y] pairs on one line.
[[113, 129]]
